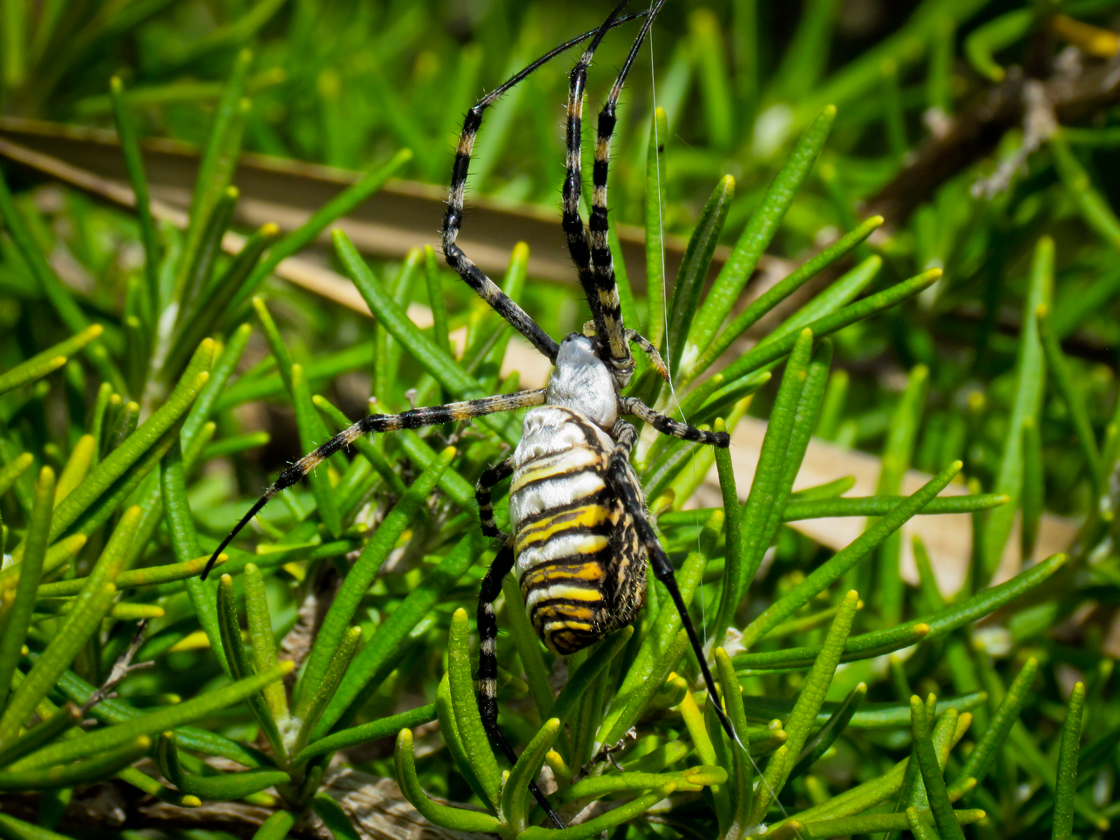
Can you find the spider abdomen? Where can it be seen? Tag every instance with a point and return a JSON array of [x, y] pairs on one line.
[[578, 559]]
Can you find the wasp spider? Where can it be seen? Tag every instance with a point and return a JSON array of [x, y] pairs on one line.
[[581, 534]]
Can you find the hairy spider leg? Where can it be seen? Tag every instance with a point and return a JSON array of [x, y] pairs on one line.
[[578, 245], [414, 419], [668, 426], [486, 483], [646, 346], [488, 625], [488, 665], [453, 218], [619, 477], [604, 289], [590, 247]]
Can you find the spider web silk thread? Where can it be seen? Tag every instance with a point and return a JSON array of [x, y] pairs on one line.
[[672, 390], [664, 297]]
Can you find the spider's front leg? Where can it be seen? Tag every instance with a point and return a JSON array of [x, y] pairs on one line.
[[413, 419]]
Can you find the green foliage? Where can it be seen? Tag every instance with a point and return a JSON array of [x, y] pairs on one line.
[[965, 332]]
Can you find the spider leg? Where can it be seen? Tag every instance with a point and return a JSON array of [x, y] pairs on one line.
[[606, 306], [635, 337], [413, 419], [486, 482], [578, 245], [453, 218], [620, 478], [488, 661], [668, 426]]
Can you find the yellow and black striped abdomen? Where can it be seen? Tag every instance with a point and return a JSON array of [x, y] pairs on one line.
[[574, 544]]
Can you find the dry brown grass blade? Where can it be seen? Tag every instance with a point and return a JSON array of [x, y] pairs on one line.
[[401, 216]]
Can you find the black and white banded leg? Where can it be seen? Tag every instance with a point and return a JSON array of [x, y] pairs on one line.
[[668, 426], [579, 245], [590, 247], [646, 346], [488, 664], [619, 475], [482, 494], [604, 291], [453, 217], [414, 419]]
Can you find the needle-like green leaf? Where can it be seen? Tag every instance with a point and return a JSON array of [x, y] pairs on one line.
[[153, 723], [1034, 487], [826, 736], [933, 626], [528, 648], [465, 706], [779, 292], [275, 827], [53, 289], [694, 271], [898, 452], [759, 231], [847, 557], [434, 360], [138, 179], [984, 754], [807, 707], [89, 771], [1074, 399], [262, 648], [926, 755], [361, 575], [1030, 383], [82, 621], [309, 714], [880, 505], [741, 784], [367, 732], [185, 544], [515, 792], [47, 361], [597, 825], [386, 642], [15, 617], [758, 524], [241, 666], [217, 788], [312, 433], [13, 829], [125, 457], [655, 226], [762, 355], [457, 819], [1066, 787]]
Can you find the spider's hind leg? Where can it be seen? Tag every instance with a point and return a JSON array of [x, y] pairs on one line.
[[619, 476], [488, 665]]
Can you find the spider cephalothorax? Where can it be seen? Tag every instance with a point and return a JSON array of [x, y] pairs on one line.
[[581, 535]]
